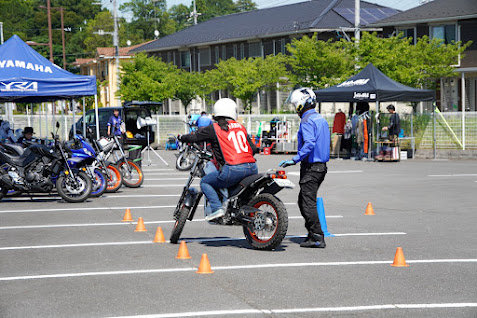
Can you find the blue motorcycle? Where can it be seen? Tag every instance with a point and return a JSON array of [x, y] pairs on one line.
[[83, 157]]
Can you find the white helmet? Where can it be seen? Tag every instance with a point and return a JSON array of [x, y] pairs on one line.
[[225, 107], [302, 98]]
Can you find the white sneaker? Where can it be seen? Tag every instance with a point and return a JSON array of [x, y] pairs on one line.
[[215, 215]]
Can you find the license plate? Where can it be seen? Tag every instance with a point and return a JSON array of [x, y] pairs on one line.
[[284, 183]]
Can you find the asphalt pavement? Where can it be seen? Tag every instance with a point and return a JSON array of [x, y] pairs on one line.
[[79, 260]]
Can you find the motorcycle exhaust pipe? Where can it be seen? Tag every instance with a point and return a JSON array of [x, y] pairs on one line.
[[6, 181]]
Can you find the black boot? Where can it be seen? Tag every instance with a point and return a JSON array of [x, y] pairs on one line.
[[314, 241]]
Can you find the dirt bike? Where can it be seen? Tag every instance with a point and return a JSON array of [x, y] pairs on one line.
[[251, 204]]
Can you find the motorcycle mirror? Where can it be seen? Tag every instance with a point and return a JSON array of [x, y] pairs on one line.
[[57, 124]]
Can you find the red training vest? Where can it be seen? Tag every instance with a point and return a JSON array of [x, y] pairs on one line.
[[233, 143]]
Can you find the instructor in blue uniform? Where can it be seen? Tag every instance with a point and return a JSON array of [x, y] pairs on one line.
[[313, 153]]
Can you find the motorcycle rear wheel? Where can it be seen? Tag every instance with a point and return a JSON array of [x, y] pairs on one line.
[[272, 217], [114, 179], [179, 225], [85, 182]]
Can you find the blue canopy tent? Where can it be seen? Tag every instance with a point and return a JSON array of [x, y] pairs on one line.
[[27, 77]]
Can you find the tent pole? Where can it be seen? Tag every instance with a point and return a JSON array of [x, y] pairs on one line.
[[28, 115], [96, 115], [39, 118], [46, 120], [412, 134], [84, 117], [434, 129], [73, 108], [65, 120]]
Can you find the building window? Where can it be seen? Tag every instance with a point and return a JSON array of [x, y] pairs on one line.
[[448, 33], [224, 52], [242, 51], [217, 56], [235, 51], [408, 33], [204, 56], [169, 57], [185, 59], [254, 49]]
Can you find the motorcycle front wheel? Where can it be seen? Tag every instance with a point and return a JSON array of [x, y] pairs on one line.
[[270, 223], [181, 219], [99, 184], [72, 191], [114, 179], [132, 174], [185, 161]]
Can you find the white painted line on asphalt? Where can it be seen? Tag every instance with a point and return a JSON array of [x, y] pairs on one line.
[[116, 196], [107, 208], [90, 209], [152, 170], [301, 310], [163, 179], [235, 267], [201, 240], [176, 173], [297, 173], [453, 175], [166, 185], [46, 226]]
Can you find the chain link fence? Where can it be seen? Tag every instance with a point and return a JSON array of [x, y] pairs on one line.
[[451, 129]]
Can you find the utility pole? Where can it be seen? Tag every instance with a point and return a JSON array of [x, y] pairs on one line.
[[357, 17], [50, 32], [116, 47], [63, 37], [1, 33], [194, 14]]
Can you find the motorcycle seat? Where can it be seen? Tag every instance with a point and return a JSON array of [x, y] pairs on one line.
[[14, 149], [243, 184], [17, 160]]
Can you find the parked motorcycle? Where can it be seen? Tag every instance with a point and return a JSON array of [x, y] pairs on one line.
[[131, 173], [84, 156], [39, 168], [251, 204], [185, 159]]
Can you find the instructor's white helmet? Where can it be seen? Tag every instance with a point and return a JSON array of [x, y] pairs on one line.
[[225, 107], [302, 99]]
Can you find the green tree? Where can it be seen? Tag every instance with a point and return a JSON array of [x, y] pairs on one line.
[[180, 14], [317, 63], [148, 79], [418, 65], [187, 87], [245, 78], [245, 5], [148, 16]]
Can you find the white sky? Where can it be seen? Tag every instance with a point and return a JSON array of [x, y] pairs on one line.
[[397, 4]]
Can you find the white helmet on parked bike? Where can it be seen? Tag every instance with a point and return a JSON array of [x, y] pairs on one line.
[[302, 99], [225, 107]]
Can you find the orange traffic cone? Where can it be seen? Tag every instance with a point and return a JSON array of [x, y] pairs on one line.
[[399, 260], [369, 209], [140, 225], [204, 267], [183, 251], [127, 216], [159, 238]]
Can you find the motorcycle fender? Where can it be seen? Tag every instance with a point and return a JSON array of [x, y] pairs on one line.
[[194, 208]]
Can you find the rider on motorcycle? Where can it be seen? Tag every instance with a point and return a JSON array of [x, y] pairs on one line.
[[233, 151]]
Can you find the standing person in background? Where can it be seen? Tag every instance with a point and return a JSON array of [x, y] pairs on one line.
[[313, 153], [204, 120], [394, 127], [114, 124], [338, 129]]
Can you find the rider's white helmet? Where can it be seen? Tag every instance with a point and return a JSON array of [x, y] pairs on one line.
[[225, 107], [302, 98]]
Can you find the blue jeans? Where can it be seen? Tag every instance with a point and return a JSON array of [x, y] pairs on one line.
[[224, 193], [227, 177]]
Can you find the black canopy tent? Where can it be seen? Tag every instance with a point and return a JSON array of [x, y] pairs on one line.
[[372, 85]]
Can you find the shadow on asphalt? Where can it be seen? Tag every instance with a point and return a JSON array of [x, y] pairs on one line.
[[223, 241]]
